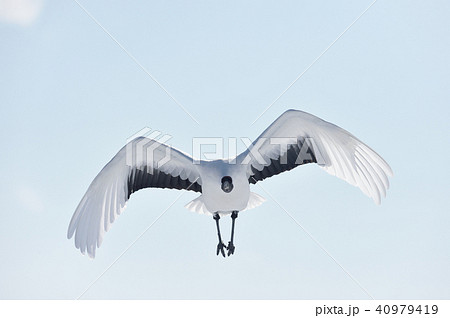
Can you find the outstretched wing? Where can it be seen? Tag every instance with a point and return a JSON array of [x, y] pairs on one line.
[[142, 163], [297, 138]]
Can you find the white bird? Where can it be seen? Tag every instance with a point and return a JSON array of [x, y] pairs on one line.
[[293, 139]]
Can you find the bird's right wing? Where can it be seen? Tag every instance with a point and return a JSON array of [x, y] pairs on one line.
[[142, 163], [297, 138]]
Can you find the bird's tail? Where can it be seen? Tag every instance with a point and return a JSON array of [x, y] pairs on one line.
[[254, 200], [197, 205]]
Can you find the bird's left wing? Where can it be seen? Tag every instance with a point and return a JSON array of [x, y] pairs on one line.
[[297, 138], [142, 163]]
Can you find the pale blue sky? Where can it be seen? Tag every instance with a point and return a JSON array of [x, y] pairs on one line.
[[70, 97]]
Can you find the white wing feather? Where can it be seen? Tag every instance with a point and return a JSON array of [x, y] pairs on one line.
[[107, 195], [341, 154]]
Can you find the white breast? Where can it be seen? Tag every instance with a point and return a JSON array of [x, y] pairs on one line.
[[214, 198]]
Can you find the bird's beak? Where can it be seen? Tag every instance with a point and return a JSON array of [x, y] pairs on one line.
[[227, 186]]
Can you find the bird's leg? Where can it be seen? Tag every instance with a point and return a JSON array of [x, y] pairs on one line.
[[230, 246], [220, 246]]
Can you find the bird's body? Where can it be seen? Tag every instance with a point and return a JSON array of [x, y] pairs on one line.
[[213, 197], [294, 139]]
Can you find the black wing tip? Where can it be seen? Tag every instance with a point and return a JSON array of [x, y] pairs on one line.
[[143, 178], [288, 161]]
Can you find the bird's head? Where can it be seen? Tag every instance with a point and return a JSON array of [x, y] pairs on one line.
[[227, 184]]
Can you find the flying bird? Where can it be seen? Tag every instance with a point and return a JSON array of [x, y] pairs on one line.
[[293, 139]]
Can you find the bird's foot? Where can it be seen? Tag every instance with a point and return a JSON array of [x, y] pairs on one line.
[[230, 248], [220, 248]]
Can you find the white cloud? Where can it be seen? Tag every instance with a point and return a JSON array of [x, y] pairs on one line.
[[22, 12]]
